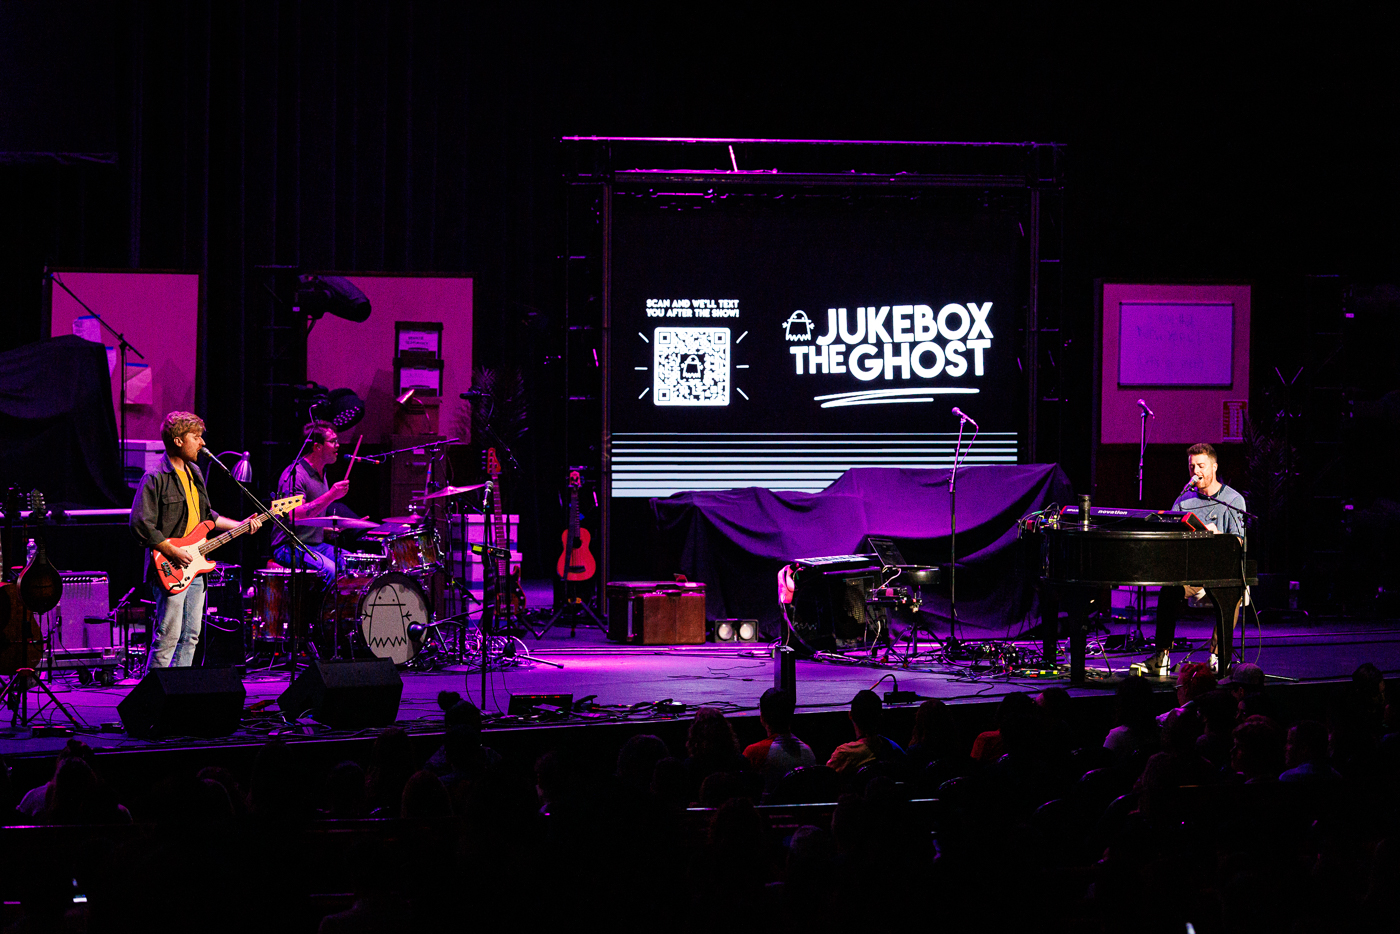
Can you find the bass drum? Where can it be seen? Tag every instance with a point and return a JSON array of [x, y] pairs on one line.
[[388, 606]]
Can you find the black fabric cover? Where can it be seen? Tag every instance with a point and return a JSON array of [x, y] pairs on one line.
[[57, 430], [736, 540]]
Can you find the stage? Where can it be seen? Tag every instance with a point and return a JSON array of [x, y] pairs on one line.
[[626, 683]]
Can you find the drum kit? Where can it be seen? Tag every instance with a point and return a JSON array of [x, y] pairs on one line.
[[381, 601]]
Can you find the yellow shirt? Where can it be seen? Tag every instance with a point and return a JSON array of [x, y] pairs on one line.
[[191, 500]]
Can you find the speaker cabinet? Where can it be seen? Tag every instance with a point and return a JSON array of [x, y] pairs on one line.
[[349, 695], [184, 702], [656, 612]]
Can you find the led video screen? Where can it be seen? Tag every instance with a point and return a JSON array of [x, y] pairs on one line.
[[776, 340]]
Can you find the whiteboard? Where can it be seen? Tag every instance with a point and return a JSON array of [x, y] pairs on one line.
[[1175, 344]]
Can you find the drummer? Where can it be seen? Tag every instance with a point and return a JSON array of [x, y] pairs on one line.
[[308, 477]]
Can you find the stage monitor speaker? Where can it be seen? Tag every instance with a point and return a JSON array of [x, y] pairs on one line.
[[348, 695], [184, 702], [734, 630]]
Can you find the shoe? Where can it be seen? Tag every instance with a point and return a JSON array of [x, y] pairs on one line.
[[1159, 665]]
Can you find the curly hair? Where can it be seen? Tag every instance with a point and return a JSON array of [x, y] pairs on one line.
[[177, 424], [711, 736]]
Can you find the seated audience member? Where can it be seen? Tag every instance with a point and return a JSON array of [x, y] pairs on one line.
[[1257, 755], [238, 799], [636, 762], [989, 746], [1246, 683], [79, 797], [869, 745], [1306, 755], [35, 798], [456, 712], [424, 798], [1057, 712], [781, 752], [345, 792], [1137, 732], [711, 746], [391, 763], [1193, 680], [670, 785], [464, 756], [1220, 710], [935, 736]]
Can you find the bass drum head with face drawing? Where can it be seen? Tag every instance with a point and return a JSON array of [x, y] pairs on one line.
[[391, 603]]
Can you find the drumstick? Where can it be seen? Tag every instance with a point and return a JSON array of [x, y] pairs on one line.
[[354, 456]]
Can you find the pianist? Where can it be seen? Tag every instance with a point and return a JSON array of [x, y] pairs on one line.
[[1221, 508]]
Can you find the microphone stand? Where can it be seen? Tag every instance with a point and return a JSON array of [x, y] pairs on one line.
[[1137, 640], [954, 646], [122, 347], [299, 549]]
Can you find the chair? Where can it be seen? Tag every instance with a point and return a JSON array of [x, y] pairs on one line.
[[808, 784]]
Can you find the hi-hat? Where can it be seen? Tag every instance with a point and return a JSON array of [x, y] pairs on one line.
[[403, 520], [450, 491], [337, 522]]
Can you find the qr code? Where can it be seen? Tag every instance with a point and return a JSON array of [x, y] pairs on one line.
[[691, 366]]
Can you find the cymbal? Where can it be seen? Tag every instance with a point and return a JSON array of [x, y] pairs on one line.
[[337, 522], [450, 491], [403, 520]]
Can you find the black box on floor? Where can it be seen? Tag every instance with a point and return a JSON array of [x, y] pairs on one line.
[[184, 702], [345, 695]]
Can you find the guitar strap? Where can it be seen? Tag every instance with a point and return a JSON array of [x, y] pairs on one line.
[[191, 500]]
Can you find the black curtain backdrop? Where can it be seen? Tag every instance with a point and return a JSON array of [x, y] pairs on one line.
[[417, 136]]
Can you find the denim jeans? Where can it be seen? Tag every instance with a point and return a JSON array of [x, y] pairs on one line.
[[177, 623], [321, 560]]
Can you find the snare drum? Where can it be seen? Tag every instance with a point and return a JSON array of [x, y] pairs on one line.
[[272, 601], [414, 552]]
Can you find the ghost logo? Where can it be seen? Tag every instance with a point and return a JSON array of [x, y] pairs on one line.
[[693, 368], [798, 327]]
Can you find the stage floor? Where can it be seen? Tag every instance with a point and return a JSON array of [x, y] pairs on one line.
[[1307, 650]]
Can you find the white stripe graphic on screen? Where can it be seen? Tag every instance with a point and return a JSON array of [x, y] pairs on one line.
[[888, 396], [643, 336], [645, 391], [742, 393]]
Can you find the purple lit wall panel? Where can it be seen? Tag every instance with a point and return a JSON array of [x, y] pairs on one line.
[[342, 353], [159, 314], [1185, 413]]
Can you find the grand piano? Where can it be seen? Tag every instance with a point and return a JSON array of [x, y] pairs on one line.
[[1084, 556]]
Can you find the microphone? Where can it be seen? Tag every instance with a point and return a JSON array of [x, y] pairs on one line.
[[1145, 409], [1190, 485], [960, 414]]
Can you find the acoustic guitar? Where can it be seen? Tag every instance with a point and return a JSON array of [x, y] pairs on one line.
[[576, 557], [175, 579], [509, 594]]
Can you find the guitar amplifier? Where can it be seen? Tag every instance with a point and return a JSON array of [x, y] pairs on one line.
[[84, 595], [656, 612]]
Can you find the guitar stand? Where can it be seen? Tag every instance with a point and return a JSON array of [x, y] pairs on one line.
[[573, 607], [15, 695]]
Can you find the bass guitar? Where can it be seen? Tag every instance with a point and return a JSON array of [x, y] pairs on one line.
[[576, 556], [175, 579]]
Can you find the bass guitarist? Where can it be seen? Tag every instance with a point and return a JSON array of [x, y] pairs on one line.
[[170, 503]]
